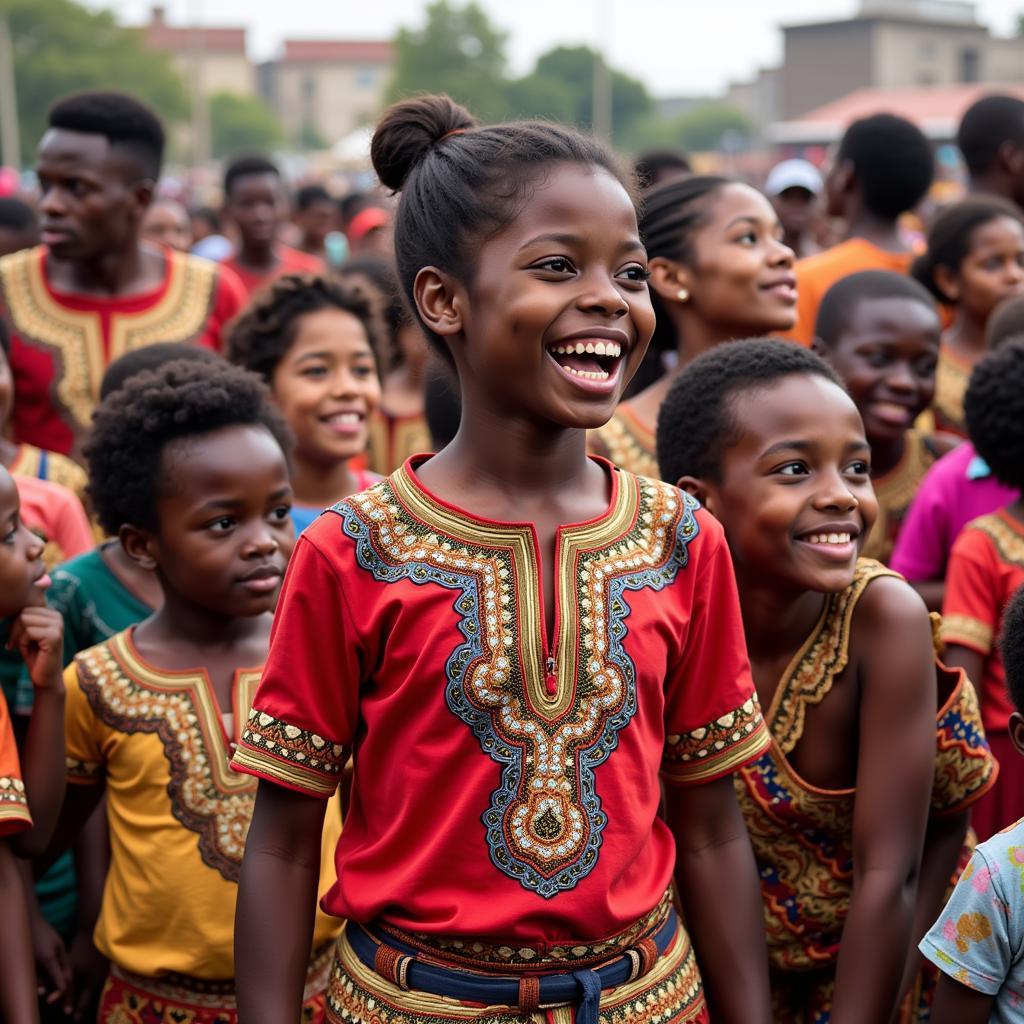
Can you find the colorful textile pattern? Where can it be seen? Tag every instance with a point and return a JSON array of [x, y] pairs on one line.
[[630, 444], [802, 835], [156, 738], [14, 812], [979, 934], [895, 492], [531, 761], [952, 374], [44, 465], [62, 344], [670, 993], [393, 439]]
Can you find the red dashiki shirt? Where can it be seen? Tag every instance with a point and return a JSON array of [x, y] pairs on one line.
[[61, 344], [289, 261], [504, 788]]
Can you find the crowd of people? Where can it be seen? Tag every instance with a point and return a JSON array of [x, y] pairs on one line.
[[684, 681]]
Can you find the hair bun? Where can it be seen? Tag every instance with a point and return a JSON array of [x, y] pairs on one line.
[[408, 130]]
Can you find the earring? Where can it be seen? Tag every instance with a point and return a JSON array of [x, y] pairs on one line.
[[682, 295]]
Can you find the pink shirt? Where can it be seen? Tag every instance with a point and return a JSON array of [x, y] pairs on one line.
[[957, 489]]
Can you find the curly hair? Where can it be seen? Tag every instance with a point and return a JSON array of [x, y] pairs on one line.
[[994, 411], [261, 335], [696, 424], [1011, 648], [135, 423]]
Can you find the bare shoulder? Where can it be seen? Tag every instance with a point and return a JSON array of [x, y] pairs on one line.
[[890, 603]]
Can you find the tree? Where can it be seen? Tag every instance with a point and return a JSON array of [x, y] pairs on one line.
[[60, 47], [240, 124], [458, 52], [712, 126]]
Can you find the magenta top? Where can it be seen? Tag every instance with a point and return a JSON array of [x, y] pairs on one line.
[[958, 488]]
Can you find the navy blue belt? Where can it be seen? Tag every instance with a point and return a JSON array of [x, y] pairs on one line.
[[399, 964]]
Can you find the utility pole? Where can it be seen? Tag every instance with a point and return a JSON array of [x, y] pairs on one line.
[[200, 101], [602, 126], [10, 138]]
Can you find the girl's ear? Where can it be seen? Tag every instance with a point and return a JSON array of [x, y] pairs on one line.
[[1017, 732], [698, 489], [439, 301], [139, 546], [670, 280], [947, 282]]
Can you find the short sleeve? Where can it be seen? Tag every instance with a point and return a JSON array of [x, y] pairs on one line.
[[922, 546], [713, 719], [306, 708], [971, 940], [83, 753], [14, 812], [970, 611], [229, 299]]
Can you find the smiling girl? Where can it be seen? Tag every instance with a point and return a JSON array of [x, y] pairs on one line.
[[719, 271], [517, 643], [315, 341]]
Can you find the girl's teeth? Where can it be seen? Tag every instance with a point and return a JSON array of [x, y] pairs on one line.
[[829, 538], [588, 374], [600, 348]]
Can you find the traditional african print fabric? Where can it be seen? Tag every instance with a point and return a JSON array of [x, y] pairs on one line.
[[157, 739], [803, 835], [951, 376], [61, 344], [14, 812], [393, 439], [506, 782], [895, 492], [44, 465], [630, 444]]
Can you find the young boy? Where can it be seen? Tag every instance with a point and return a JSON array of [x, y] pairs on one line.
[[986, 566], [880, 332], [202, 503], [976, 941], [764, 435]]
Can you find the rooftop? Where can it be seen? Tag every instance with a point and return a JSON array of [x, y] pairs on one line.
[[186, 38], [363, 51]]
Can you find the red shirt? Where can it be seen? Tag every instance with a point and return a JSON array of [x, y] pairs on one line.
[[503, 789], [61, 344], [289, 261], [986, 567]]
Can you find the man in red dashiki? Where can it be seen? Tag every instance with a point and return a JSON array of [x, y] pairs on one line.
[[254, 200], [506, 785], [93, 290]]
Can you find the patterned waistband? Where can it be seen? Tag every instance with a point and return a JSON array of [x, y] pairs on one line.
[[219, 993], [480, 955]]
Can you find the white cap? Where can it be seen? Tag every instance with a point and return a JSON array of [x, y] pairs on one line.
[[793, 174]]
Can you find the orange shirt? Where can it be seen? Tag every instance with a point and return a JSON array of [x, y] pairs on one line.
[[289, 261], [14, 815], [816, 274]]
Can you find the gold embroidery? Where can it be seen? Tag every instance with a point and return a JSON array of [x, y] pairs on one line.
[[83, 771], [951, 378], [717, 747], [13, 801], [1008, 540], [970, 632], [630, 444], [59, 468]]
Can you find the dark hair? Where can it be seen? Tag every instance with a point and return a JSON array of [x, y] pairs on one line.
[[16, 215], [243, 166], [672, 214], [264, 331], [150, 357], [352, 203], [306, 196], [696, 423], [988, 123], [134, 424], [994, 412], [841, 300], [442, 404], [892, 161], [381, 275], [460, 182], [949, 237], [1006, 322], [1011, 648], [648, 166], [124, 121], [208, 214], [5, 340]]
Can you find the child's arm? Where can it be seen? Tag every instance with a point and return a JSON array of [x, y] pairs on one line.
[[721, 898], [895, 771], [38, 634], [18, 975], [277, 904], [958, 1004]]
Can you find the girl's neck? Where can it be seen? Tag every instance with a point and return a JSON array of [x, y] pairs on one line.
[[190, 633], [885, 456], [321, 483], [966, 335], [776, 622]]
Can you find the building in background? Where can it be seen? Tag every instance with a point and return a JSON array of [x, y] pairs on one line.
[[322, 90]]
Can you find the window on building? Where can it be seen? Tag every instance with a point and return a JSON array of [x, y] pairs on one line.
[[308, 86], [969, 65], [366, 78]]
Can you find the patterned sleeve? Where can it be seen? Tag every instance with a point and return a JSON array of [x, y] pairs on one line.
[[970, 612], [14, 812], [306, 708], [83, 753], [965, 769], [712, 717], [971, 940]]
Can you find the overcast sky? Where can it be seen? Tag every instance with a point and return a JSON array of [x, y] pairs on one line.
[[676, 46]]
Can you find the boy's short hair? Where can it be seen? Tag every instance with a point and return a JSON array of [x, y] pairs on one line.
[[695, 424], [987, 124], [149, 357], [136, 422], [306, 196], [892, 160], [841, 300], [243, 166], [1011, 648], [994, 411], [264, 331], [1006, 323]]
